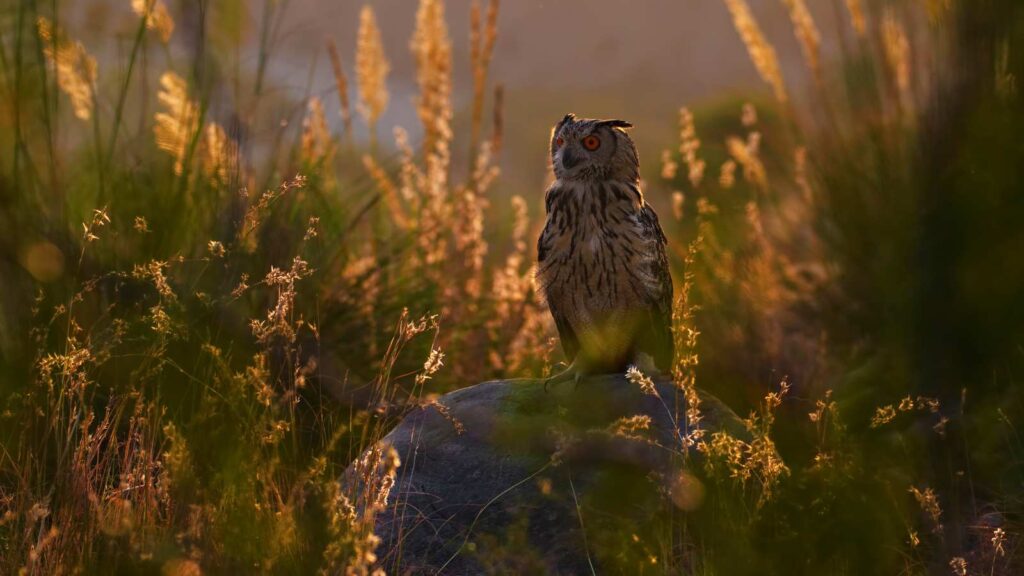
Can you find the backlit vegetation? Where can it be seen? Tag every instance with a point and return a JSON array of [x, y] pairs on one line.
[[213, 302]]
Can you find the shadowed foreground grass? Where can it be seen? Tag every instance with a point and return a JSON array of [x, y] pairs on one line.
[[208, 312]]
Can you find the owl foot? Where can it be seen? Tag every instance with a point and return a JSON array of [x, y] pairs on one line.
[[572, 373]]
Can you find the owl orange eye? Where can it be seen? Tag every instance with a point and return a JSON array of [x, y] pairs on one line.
[[559, 141], [591, 142]]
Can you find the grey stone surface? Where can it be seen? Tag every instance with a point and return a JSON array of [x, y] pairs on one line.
[[527, 467]]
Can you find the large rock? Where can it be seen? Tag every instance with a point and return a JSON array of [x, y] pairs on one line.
[[502, 480]]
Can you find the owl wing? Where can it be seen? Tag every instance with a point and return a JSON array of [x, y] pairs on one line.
[[570, 341], [656, 337]]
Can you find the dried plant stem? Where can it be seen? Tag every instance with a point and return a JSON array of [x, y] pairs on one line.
[[372, 69], [761, 52], [856, 10], [583, 528], [807, 34], [341, 82], [481, 43]]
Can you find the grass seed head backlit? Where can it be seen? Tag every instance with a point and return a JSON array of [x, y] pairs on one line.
[[157, 17], [75, 69]]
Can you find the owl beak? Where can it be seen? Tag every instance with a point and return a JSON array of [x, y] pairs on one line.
[[569, 159]]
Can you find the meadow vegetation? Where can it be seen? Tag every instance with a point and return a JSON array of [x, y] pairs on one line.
[[208, 312]]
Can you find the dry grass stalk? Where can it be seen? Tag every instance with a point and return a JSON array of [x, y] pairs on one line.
[[678, 204], [436, 209], [762, 285], [886, 414], [431, 365], [685, 336], [278, 323], [219, 153], [446, 413], [257, 210], [762, 54], [468, 213], [388, 190], [929, 503], [727, 174], [669, 167], [746, 153], [758, 460], [75, 69], [689, 145], [470, 206], [351, 513], [806, 33], [748, 115], [157, 17], [511, 287], [481, 42], [800, 175], [341, 84], [432, 50], [317, 146], [856, 10], [897, 53], [177, 125], [519, 319], [361, 276], [633, 427], [998, 540], [372, 70], [641, 381]]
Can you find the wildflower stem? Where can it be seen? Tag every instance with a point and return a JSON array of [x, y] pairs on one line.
[[583, 529]]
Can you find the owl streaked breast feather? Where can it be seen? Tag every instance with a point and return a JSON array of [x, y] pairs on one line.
[[602, 265]]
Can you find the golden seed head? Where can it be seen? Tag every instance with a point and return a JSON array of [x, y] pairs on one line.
[[157, 16], [856, 10], [638, 378], [75, 69], [372, 68], [219, 153], [806, 33], [177, 124], [897, 51], [689, 144], [432, 49], [316, 137], [762, 54]]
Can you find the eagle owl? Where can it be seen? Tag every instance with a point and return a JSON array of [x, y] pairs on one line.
[[601, 262]]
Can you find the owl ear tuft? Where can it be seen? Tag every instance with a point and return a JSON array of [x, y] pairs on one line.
[[615, 124]]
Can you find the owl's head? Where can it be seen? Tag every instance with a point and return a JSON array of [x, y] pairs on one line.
[[586, 149]]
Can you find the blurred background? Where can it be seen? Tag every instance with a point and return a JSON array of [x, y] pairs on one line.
[[597, 59], [240, 240]]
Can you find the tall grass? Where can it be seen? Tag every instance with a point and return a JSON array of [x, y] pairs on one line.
[[209, 313]]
